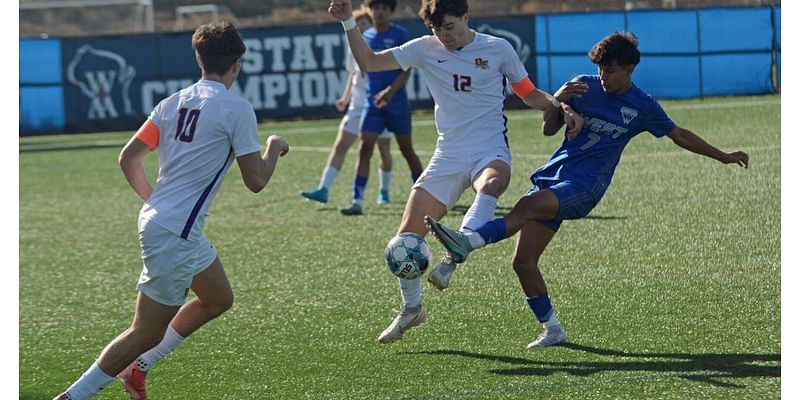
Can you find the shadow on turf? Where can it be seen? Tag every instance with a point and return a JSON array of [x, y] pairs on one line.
[[398, 208], [702, 367]]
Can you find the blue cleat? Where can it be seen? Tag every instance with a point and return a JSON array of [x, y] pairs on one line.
[[383, 197], [319, 194]]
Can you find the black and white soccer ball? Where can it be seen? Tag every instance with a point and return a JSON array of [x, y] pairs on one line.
[[407, 255]]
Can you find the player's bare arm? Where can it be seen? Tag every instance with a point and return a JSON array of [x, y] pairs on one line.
[[383, 97], [556, 114], [130, 160], [367, 60], [341, 103], [257, 169], [690, 141]]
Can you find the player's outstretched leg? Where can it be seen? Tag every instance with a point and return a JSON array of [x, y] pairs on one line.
[[133, 379], [453, 240], [439, 277], [406, 319]]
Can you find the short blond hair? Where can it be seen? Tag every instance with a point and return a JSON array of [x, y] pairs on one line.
[[363, 12]]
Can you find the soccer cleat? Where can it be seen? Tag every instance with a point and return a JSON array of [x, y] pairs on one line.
[[404, 321], [454, 241], [133, 380], [383, 197], [549, 337], [62, 396], [319, 194], [440, 276], [354, 209]]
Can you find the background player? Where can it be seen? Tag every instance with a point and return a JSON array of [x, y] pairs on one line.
[[355, 93], [466, 73], [388, 106], [571, 184], [198, 131]]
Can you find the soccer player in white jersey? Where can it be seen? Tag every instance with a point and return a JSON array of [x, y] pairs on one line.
[[466, 73], [198, 132], [355, 93]]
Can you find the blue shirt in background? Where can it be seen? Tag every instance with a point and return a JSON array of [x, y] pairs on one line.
[[611, 121], [379, 41]]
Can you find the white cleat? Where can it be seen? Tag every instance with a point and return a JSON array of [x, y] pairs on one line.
[[440, 276], [404, 321], [550, 336]]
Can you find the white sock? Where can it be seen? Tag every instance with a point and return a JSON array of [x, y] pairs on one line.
[[386, 179], [170, 341], [480, 212], [475, 239], [552, 322], [411, 290], [89, 384], [329, 175]]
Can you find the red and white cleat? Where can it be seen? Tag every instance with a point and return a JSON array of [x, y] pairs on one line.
[[133, 380]]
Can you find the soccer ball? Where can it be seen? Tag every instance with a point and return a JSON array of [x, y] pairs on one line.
[[407, 255]]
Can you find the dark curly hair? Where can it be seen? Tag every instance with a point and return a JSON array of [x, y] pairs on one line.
[[391, 3], [432, 12], [218, 46], [618, 46]]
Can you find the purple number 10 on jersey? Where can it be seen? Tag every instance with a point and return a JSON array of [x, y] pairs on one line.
[[187, 123]]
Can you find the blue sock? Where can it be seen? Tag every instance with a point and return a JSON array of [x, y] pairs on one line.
[[493, 231], [415, 176], [541, 307], [359, 184]]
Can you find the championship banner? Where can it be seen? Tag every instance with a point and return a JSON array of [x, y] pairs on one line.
[[112, 83]]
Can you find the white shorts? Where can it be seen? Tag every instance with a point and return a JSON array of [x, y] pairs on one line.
[[447, 176], [170, 263], [351, 122]]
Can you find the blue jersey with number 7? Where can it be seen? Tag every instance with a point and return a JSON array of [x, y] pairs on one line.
[[611, 121]]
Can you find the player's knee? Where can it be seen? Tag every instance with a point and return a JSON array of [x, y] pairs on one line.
[[341, 148], [524, 265], [147, 337], [224, 304], [366, 149], [407, 153]]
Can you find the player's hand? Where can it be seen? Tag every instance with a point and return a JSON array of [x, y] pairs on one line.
[[278, 142], [341, 104], [573, 120], [571, 89], [383, 98], [738, 157], [341, 9]]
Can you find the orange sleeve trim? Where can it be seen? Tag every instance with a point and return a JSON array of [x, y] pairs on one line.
[[149, 134], [523, 88]]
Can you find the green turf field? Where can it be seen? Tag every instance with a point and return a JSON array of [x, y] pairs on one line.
[[670, 290]]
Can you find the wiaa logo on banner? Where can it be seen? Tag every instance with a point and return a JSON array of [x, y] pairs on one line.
[[97, 73]]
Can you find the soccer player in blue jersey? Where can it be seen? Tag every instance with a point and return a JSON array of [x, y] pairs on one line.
[[575, 178], [388, 106]]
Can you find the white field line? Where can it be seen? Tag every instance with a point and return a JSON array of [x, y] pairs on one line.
[[544, 156], [329, 128], [525, 116]]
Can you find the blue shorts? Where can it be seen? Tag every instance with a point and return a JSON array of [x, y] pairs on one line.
[[375, 120], [574, 201]]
